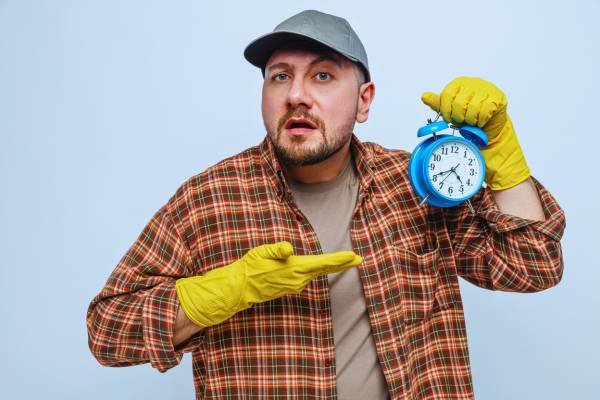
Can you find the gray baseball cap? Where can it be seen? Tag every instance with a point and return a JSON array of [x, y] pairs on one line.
[[325, 29]]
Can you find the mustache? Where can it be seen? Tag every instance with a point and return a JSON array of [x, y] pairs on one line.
[[300, 112]]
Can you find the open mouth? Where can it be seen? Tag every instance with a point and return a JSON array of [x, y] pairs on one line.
[[299, 125]]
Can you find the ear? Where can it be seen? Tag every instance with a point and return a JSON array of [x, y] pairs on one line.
[[366, 93]]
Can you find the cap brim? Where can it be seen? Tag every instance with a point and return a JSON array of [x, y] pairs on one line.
[[259, 51]]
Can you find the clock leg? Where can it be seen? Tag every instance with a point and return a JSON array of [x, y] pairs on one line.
[[471, 207]]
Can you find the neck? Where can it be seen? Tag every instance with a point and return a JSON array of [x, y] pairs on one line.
[[323, 171]]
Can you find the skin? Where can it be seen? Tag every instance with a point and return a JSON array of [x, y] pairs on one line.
[[327, 90], [521, 200]]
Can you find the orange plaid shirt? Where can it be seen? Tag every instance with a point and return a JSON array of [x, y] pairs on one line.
[[284, 348]]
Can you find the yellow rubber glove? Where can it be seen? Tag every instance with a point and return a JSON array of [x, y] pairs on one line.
[[474, 101], [264, 273]]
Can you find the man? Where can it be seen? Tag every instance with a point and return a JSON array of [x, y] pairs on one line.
[[305, 267]]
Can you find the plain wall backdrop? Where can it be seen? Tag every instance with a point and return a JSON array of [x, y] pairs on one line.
[[106, 107]]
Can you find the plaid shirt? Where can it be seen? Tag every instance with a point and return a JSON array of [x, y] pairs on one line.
[[284, 348]]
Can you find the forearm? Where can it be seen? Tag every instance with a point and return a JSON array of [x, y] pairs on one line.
[[521, 200], [184, 328]]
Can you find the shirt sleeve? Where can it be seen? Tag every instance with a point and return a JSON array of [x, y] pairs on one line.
[[131, 320], [499, 251]]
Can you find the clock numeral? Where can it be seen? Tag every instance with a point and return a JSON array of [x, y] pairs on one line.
[[445, 151], [471, 161], [465, 156], [471, 172], [454, 150], [462, 188], [450, 190], [469, 182], [437, 157], [435, 178], [432, 166], [441, 185]]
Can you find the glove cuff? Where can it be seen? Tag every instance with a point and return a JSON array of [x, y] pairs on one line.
[[184, 288], [505, 162]]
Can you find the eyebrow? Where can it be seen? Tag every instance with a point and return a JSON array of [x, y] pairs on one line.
[[326, 57], [319, 59]]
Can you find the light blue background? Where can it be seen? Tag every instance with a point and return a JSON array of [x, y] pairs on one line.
[[106, 107]]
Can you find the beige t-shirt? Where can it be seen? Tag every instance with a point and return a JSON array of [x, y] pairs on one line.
[[328, 207]]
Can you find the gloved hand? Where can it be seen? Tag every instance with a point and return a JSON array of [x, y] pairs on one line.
[[264, 273], [474, 101]]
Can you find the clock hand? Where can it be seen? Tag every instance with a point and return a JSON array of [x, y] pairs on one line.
[[457, 176], [446, 177], [454, 170], [443, 172], [451, 170], [456, 173], [439, 173]]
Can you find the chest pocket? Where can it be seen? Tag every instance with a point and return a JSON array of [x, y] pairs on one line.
[[422, 289]]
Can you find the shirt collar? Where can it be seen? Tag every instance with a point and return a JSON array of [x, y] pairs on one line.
[[362, 156]]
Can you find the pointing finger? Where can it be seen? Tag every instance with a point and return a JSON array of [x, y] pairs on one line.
[[323, 262]]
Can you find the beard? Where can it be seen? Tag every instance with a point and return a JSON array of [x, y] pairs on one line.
[[297, 153]]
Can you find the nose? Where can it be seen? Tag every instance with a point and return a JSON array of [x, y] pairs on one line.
[[299, 94]]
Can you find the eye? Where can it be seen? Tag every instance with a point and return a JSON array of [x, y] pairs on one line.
[[323, 76], [280, 76]]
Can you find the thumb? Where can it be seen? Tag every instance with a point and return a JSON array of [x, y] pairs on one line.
[[432, 100], [275, 251]]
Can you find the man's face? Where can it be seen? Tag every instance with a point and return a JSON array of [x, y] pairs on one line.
[[309, 104]]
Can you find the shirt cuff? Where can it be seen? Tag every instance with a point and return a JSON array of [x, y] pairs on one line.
[[553, 225], [159, 314]]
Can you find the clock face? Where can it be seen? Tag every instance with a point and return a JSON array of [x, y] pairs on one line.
[[454, 170]]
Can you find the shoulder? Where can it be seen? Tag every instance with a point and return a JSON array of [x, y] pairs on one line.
[[225, 180], [233, 170]]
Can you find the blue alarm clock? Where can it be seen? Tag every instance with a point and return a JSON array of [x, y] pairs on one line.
[[447, 170]]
